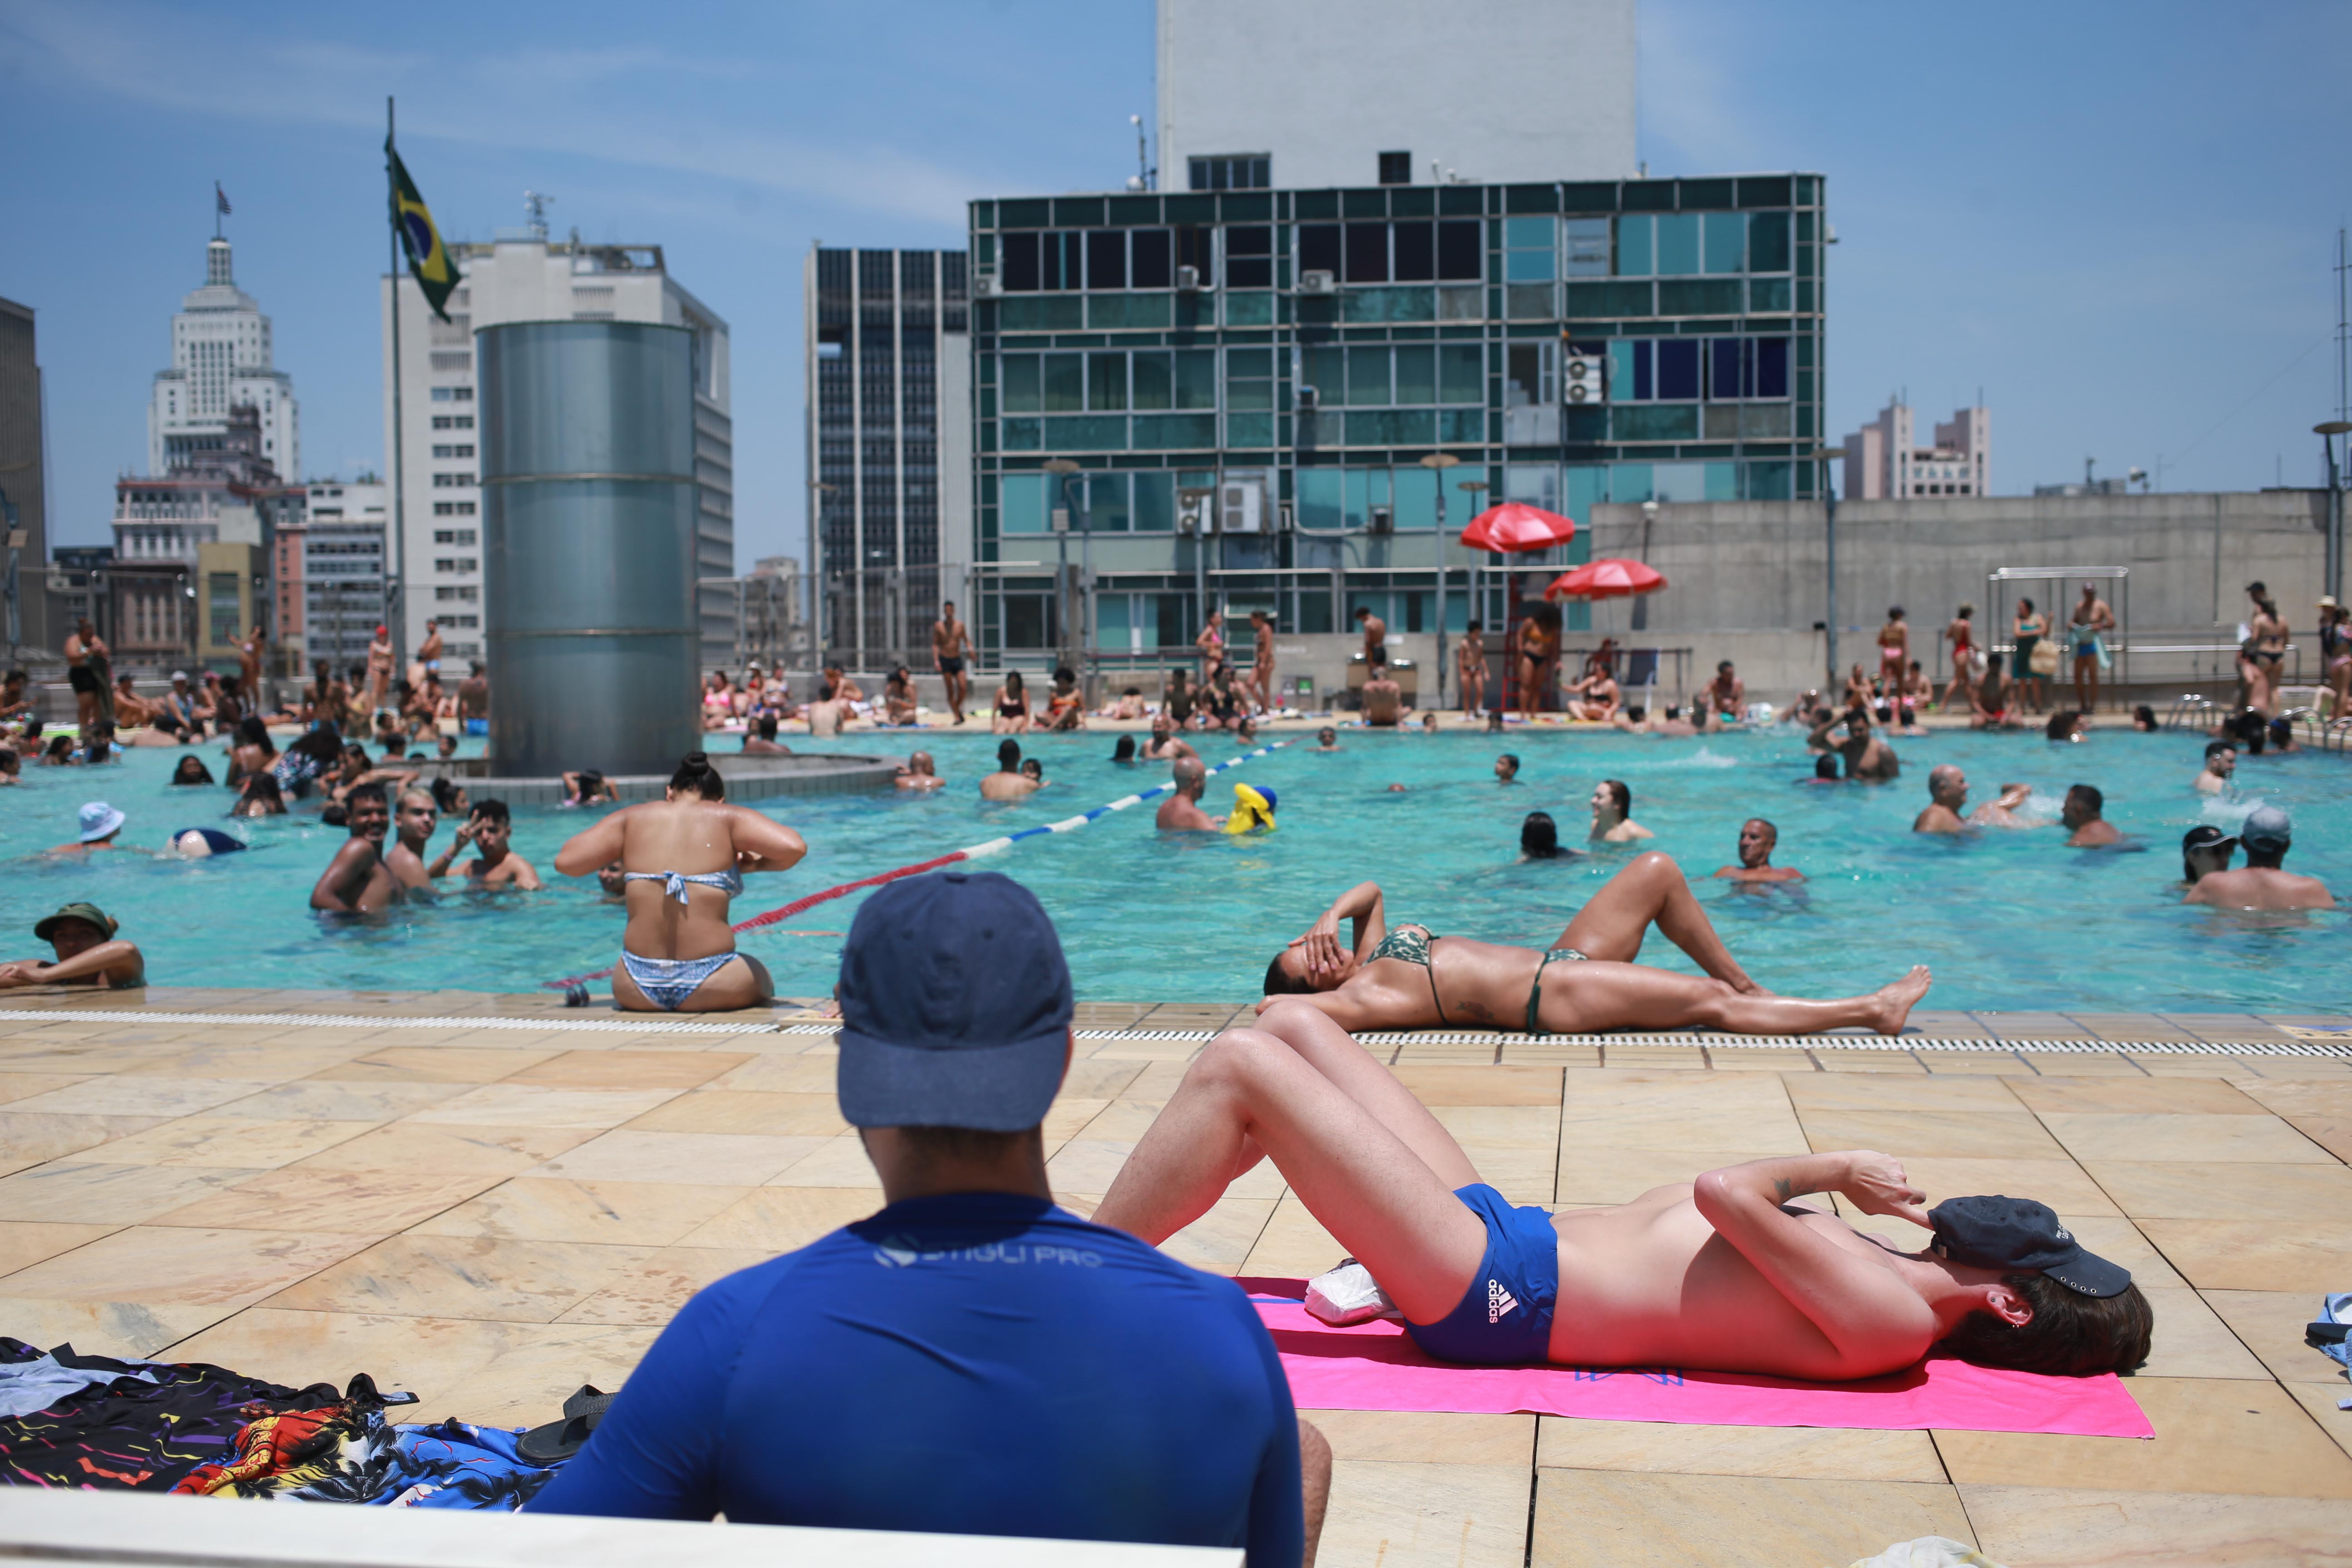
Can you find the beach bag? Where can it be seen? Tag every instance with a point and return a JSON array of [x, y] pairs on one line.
[[2043, 659]]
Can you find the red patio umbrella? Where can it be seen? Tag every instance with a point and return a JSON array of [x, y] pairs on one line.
[[1605, 579], [1516, 527]]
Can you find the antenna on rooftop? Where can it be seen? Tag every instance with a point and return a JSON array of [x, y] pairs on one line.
[[1143, 169], [534, 206]]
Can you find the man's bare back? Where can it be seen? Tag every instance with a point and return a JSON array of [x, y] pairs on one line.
[[2260, 888]]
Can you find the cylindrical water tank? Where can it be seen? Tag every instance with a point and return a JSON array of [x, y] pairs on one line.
[[588, 535]]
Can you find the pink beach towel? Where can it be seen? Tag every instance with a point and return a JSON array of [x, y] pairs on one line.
[[1373, 1366]]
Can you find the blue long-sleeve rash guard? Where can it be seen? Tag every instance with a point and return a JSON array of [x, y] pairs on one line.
[[979, 1363]]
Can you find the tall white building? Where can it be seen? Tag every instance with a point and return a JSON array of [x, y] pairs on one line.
[[529, 278], [1884, 462], [221, 359], [1319, 93]]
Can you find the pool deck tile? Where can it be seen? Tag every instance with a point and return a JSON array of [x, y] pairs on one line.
[[493, 1217]]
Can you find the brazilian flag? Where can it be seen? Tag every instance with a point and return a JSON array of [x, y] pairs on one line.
[[435, 273]]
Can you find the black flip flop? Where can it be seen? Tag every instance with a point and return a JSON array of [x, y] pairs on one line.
[[558, 1440]]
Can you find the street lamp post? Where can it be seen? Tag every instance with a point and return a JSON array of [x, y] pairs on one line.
[[1820, 455], [2335, 572], [1437, 463]]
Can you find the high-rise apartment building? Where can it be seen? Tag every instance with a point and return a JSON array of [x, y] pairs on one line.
[[222, 359], [527, 277], [1883, 462], [330, 570], [1274, 398], [22, 487], [889, 445], [1317, 94]]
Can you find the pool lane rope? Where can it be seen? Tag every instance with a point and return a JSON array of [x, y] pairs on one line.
[[976, 852]]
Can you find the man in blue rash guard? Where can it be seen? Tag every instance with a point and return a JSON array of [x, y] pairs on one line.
[[972, 1359]]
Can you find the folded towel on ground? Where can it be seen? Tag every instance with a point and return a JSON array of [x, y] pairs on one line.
[[1374, 1366]]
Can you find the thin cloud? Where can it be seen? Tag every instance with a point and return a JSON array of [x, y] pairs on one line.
[[525, 101]]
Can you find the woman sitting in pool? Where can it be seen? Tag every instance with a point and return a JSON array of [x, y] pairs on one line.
[[684, 857], [1407, 977]]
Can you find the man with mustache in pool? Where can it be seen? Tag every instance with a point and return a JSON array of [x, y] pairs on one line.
[[1725, 1273], [1409, 977]]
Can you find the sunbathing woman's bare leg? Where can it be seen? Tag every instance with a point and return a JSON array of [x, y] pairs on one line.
[[1581, 998], [1374, 1192], [1651, 891]]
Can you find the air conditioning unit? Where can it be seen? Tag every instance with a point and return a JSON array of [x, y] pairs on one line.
[[1317, 281], [1193, 517], [985, 285], [1307, 398], [1379, 520], [1241, 508], [1188, 280], [1583, 379]]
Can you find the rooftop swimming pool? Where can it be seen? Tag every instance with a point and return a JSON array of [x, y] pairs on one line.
[[2010, 920]]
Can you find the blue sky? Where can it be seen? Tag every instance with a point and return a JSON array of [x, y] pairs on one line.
[[2117, 220]]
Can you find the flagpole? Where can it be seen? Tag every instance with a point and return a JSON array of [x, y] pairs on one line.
[[395, 614]]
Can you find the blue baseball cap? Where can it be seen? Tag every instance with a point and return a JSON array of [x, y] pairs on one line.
[[1995, 1232], [955, 1006], [2267, 828]]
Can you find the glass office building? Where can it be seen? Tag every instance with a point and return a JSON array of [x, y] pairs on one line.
[[1248, 381], [889, 405]]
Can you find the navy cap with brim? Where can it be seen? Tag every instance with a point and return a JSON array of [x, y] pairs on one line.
[[998, 1089], [1992, 1231]]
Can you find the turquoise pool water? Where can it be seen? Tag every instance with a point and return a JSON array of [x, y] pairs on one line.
[[2008, 920]]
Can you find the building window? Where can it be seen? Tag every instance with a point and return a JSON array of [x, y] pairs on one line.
[[453, 481], [453, 394], [220, 594], [1396, 168], [1408, 252], [447, 450], [455, 563], [464, 593], [1249, 256], [1233, 172], [453, 509], [1670, 370], [452, 536], [451, 422]]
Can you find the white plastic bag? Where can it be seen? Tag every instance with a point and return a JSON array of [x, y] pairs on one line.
[[1349, 1294]]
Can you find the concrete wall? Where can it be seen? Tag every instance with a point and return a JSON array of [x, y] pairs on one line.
[[1493, 89], [1747, 579]]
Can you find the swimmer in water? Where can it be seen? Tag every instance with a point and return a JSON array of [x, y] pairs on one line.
[[1181, 812], [2081, 813], [920, 773], [1612, 814], [1947, 796], [1327, 739], [1540, 839], [2002, 811], [2264, 882], [1507, 768], [1008, 782], [87, 954], [1758, 839], [2221, 762], [357, 881], [1165, 745], [491, 830]]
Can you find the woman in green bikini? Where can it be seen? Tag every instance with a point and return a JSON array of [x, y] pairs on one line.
[[1407, 977]]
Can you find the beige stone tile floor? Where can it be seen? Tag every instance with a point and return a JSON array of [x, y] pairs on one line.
[[493, 1215]]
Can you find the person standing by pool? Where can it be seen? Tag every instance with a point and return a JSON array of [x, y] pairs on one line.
[[1961, 634], [1894, 647], [474, 701], [1947, 796], [1757, 839], [2087, 631], [2264, 882], [87, 954], [1181, 812], [379, 668], [1261, 675], [1866, 756], [2335, 654], [1537, 651], [2221, 762], [950, 647], [2028, 630], [1212, 644], [357, 881], [1376, 638], [2081, 814], [684, 859], [1612, 814], [88, 673], [1470, 667], [2265, 649]]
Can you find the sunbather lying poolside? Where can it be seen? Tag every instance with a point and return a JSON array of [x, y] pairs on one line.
[[1407, 977], [1723, 1274]]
